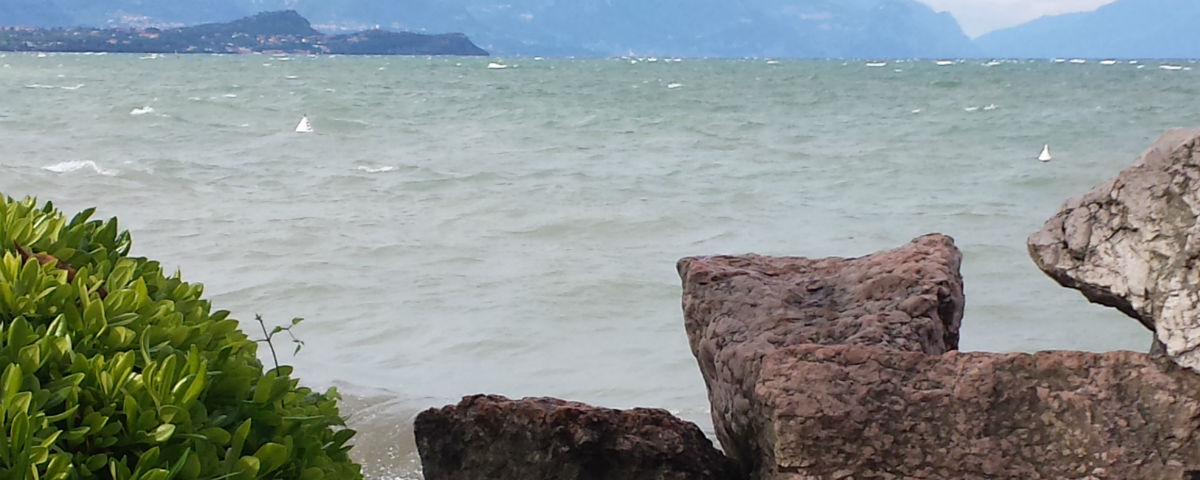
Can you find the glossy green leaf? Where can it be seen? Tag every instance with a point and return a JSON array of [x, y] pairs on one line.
[[155, 474], [96, 462], [248, 466], [164, 432], [271, 456], [59, 467], [30, 357], [216, 435], [126, 372]]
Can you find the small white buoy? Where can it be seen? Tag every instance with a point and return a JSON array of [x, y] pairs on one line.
[[304, 126], [1045, 156]]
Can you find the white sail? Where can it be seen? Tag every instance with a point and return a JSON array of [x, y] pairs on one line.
[[1045, 156], [304, 126]]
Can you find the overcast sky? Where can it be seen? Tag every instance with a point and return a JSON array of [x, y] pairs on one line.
[[978, 17]]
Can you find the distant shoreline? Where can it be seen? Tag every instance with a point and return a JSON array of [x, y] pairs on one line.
[[269, 32]]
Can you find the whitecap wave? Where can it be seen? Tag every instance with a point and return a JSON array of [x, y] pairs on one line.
[[142, 110], [370, 169], [75, 165]]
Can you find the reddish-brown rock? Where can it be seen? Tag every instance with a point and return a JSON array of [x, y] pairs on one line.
[[489, 437], [847, 411], [738, 310]]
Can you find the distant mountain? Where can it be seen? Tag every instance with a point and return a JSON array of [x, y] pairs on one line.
[[724, 28], [1123, 29], [279, 31], [284, 22], [727, 28]]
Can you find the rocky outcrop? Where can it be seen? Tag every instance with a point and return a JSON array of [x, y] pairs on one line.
[[740, 311], [491, 437], [858, 412], [1133, 243]]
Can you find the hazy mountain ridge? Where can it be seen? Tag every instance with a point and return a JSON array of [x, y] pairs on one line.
[[1122, 29], [700, 28], [283, 31], [731, 28]]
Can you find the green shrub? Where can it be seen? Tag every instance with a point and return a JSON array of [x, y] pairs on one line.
[[113, 370]]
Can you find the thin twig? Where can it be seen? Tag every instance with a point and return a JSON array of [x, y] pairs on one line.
[[268, 338]]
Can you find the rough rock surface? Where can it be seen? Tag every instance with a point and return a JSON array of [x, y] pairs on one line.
[[738, 310], [847, 411], [1133, 243], [491, 437]]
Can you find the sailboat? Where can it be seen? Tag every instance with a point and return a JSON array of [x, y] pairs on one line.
[[304, 126], [1045, 155]]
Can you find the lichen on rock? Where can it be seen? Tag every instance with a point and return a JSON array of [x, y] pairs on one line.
[[1133, 243]]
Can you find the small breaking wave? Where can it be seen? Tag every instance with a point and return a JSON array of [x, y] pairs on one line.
[[142, 110], [370, 169], [75, 165]]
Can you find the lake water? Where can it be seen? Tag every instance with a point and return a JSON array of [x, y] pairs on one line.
[[450, 229]]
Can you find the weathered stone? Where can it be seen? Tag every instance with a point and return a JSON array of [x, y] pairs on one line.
[[849, 411], [1133, 243], [738, 310], [489, 437]]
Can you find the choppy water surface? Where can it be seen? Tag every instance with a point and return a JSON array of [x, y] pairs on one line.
[[450, 229]]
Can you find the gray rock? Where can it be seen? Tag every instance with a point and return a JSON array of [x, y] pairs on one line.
[[738, 310], [489, 437], [1133, 243]]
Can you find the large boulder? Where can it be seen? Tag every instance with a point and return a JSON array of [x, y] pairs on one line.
[[489, 437], [1133, 243], [739, 310], [847, 411]]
